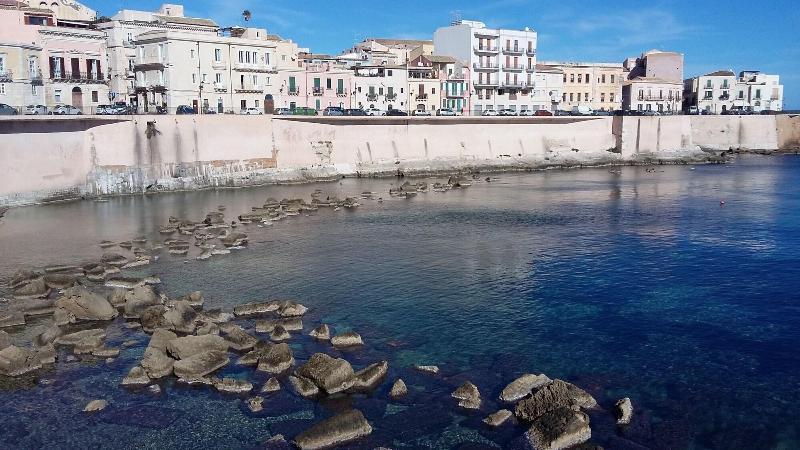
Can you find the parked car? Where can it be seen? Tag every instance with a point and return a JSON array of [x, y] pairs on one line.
[[527, 112], [375, 112], [66, 110], [650, 112], [185, 109], [6, 110], [543, 112], [251, 112], [35, 110], [581, 110], [333, 111], [304, 111], [601, 112], [396, 112], [769, 112], [421, 112], [489, 113], [355, 112], [102, 110], [283, 112], [446, 112], [560, 112], [123, 109], [507, 112]]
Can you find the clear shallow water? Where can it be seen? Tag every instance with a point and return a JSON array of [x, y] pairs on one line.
[[634, 284]]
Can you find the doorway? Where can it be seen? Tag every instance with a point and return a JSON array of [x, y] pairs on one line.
[[77, 98], [269, 104]]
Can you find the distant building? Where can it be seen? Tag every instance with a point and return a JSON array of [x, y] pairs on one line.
[[596, 85], [454, 82], [548, 87], [317, 81], [379, 51], [381, 86], [720, 91], [499, 61], [424, 85], [654, 82], [64, 10]]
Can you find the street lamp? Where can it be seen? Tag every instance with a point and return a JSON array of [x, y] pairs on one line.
[[200, 104]]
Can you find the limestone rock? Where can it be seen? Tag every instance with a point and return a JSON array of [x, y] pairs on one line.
[[117, 297], [187, 346], [399, 389], [279, 334], [624, 411], [468, 395], [289, 324], [10, 319], [348, 339], [106, 352], [254, 309], [550, 397], [522, 387], [47, 354], [95, 405], [277, 359], [161, 338], [156, 363], [255, 404], [498, 418], [136, 377], [272, 385], [195, 299], [181, 317], [291, 309], [139, 299], [5, 340], [238, 339], [49, 335], [340, 429], [303, 386], [234, 239], [558, 429], [232, 385], [329, 374], [369, 378], [252, 357], [433, 370], [277, 442], [35, 288], [113, 259], [59, 280], [84, 341], [152, 318], [200, 364], [322, 332], [16, 361]]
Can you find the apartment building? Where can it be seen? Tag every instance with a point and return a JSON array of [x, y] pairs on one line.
[[318, 81], [424, 85], [47, 61], [596, 85], [720, 91], [654, 82], [380, 51], [454, 83], [500, 61], [383, 87], [64, 10], [548, 88]]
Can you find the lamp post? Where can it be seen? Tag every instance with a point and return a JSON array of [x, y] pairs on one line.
[[200, 103]]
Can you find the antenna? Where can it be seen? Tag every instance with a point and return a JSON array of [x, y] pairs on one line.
[[455, 17]]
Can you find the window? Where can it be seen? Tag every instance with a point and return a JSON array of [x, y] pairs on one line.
[[611, 96], [266, 58], [570, 97], [130, 37], [741, 94], [34, 89], [602, 97], [328, 84], [191, 53], [255, 80], [217, 55], [194, 78], [708, 84], [612, 79], [205, 78], [218, 78], [587, 78], [2, 63], [708, 95], [572, 78], [161, 53], [603, 78], [2, 88], [161, 78], [95, 97], [57, 95], [758, 93], [241, 56], [586, 97], [247, 57], [389, 72], [580, 78]]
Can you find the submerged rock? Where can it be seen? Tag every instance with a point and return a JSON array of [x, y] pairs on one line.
[[238, 339], [523, 387], [399, 389], [15, 361], [322, 332], [35, 288], [272, 385], [60, 280], [550, 397], [279, 334], [277, 359], [468, 395], [340, 429], [433, 370], [136, 377], [624, 411], [558, 429], [187, 346], [329, 374], [78, 304], [95, 405], [232, 385], [113, 259], [254, 309], [369, 378], [277, 442], [200, 364], [255, 404], [303, 386], [348, 339], [498, 418]]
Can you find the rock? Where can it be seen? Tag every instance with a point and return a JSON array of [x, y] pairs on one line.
[[624, 411], [348, 339], [154, 389], [498, 418], [15, 361], [161, 338], [5, 340], [38, 307], [156, 363], [303, 386], [277, 442], [113, 259], [329, 374], [59, 280], [47, 354], [277, 359], [232, 385], [468, 395], [550, 397], [136, 377], [272, 385], [138, 262], [254, 309], [279, 334], [522, 387], [428, 369], [181, 317], [291, 309], [78, 304], [369, 378], [21, 277], [117, 297], [255, 404], [322, 332], [252, 357], [200, 364], [139, 299], [95, 405], [342, 428], [153, 317], [105, 352], [206, 328], [558, 429], [187, 346], [195, 299], [399, 389], [35, 288], [238, 339], [10, 319], [215, 316], [289, 324], [234, 239], [83, 342], [49, 335]]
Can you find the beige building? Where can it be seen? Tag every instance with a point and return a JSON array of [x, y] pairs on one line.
[[654, 82], [379, 51], [64, 10], [596, 85]]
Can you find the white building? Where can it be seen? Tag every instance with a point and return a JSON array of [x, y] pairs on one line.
[[381, 87], [378, 51], [500, 62], [721, 91], [548, 88]]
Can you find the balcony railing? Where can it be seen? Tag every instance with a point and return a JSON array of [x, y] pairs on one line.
[[36, 77], [530, 52], [128, 44], [512, 50], [487, 33], [6, 75], [530, 69], [722, 97], [485, 66], [422, 96], [657, 98], [486, 49], [372, 97], [486, 83], [514, 84], [293, 91], [317, 91], [341, 93], [513, 68], [250, 67], [391, 97], [79, 77]]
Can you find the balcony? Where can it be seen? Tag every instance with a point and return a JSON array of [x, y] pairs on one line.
[[723, 97], [530, 69], [372, 97], [421, 97], [250, 90], [343, 93], [149, 65], [656, 98], [128, 44], [79, 77], [36, 77], [220, 87], [6, 75], [486, 49], [512, 50], [317, 91], [514, 84], [486, 66], [219, 65], [530, 52], [391, 97], [256, 68], [513, 68], [293, 90], [486, 83], [483, 32]]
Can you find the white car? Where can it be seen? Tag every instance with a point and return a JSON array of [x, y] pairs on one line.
[[527, 112], [251, 112], [421, 112], [374, 112], [508, 112], [35, 110], [489, 112], [446, 112], [66, 110]]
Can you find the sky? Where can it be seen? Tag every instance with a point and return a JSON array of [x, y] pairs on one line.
[[724, 34]]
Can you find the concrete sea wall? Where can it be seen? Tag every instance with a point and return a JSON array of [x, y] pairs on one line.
[[55, 158]]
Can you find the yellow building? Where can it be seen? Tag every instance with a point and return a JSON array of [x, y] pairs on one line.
[[596, 85]]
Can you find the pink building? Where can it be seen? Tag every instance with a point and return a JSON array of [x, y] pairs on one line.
[[318, 82]]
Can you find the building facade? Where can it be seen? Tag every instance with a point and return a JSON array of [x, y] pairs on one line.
[[595, 85], [721, 91], [382, 87], [317, 82], [654, 82], [548, 88], [502, 62]]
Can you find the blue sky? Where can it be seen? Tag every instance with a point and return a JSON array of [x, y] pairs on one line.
[[723, 34]]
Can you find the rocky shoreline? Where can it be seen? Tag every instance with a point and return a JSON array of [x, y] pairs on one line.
[[190, 345]]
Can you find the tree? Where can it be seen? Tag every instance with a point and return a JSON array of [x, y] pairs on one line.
[[247, 15]]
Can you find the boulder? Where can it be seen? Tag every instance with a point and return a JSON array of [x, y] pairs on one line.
[[216, 316], [291, 309], [181, 317], [433, 370], [369, 378], [187, 346], [235, 239], [49, 335], [78, 304], [117, 297], [156, 363], [272, 385], [232, 385], [624, 411], [322, 332], [329, 374], [47, 354], [35, 288], [255, 404], [277, 359], [468, 395], [348, 339], [498, 418], [550, 397], [195, 299], [106, 352], [558, 429], [95, 405], [22, 277], [399, 389], [139, 299], [161, 338], [289, 324], [152, 318], [523, 387], [59, 280], [10, 319], [84, 341], [342, 428], [279, 334], [303, 386], [238, 339], [5, 340], [252, 357], [113, 259], [200, 364], [16, 361], [277, 442], [255, 309], [206, 328], [136, 377]]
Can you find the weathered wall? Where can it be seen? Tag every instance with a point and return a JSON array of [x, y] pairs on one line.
[[788, 132], [654, 137], [735, 132]]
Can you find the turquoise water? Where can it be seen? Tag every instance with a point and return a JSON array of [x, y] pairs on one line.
[[633, 284]]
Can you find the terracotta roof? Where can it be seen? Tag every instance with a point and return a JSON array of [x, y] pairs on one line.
[[721, 73], [390, 42], [187, 21]]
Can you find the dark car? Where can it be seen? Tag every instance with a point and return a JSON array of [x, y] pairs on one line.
[[333, 111], [6, 110], [600, 112], [355, 112], [396, 112], [542, 112], [184, 109], [304, 111]]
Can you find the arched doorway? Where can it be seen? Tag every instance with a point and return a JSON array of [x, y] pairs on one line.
[[269, 104], [77, 97]]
